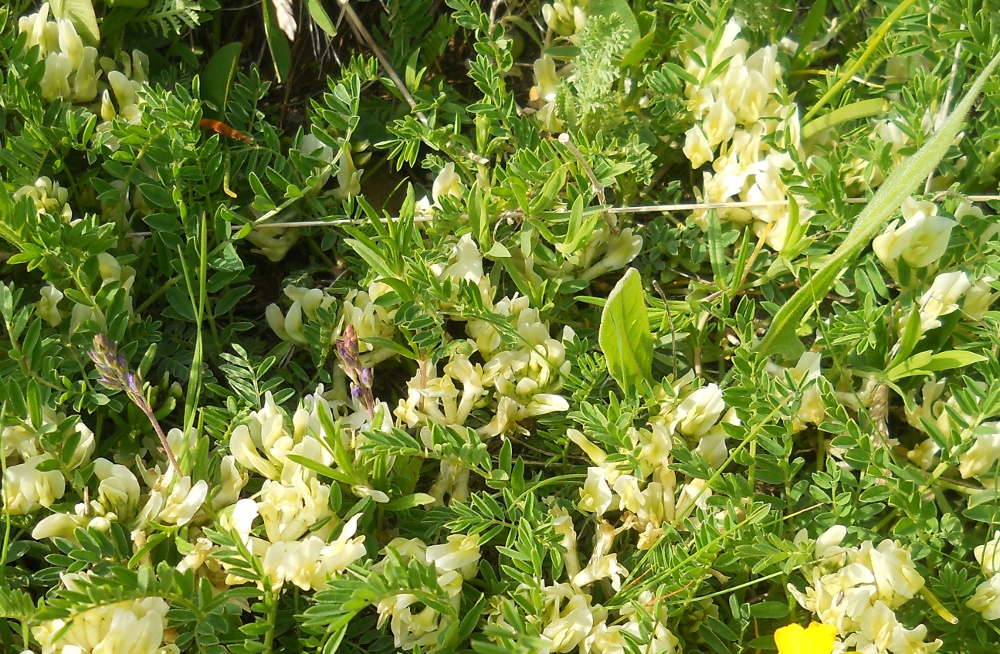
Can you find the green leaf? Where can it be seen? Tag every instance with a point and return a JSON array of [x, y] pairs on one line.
[[809, 28], [634, 56], [219, 73], [620, 7], [905, 178], [923, 363], [81, 14], [769, 609], [408, 502], [853, 111], [624, 335], [321, 469], [157, 196], [320, 17], [277, 43]]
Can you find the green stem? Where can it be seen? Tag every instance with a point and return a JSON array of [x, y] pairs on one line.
[[6, 509], [271, 601], [873, 43]]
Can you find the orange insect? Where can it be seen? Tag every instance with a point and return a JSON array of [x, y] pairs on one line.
[[220, 127]]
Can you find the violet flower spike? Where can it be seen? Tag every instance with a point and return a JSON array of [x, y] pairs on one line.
[[115, 375], [361, 378]]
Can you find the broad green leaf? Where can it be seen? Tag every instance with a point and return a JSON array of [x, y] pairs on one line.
[[853, 111], [624, 335], [81, 14], [905, 178], [219, 74], [277, 43], [634, 56], [924, 363], [620, 7], [408, 502], [908, 339], [320, 17], [810, 26]]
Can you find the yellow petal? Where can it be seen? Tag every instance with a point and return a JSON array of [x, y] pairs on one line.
[[794, 639]]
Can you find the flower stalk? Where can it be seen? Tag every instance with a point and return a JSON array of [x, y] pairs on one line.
[[115, 375]]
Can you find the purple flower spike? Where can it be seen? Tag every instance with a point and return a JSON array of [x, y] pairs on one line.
[[115, 375], [361, 378]]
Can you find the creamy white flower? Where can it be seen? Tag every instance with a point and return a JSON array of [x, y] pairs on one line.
[[59, 525], [828, 543], [896, 577], [84, 80], [979, 298], [40, 30], [547, 79], [131, 627], [630, 497], [603, 563], [700, 410], [118, 489], [183, 502], [720, 123], [26, 488], [920, 240], [310, 563], [595, 496], [197, 556], [274, 244], [290, 326], [570, 625], [981, 457], [987, 598], [988, 555], [290, 509], [621, 248], [696, 147], [461, 553], [348, 177], [942, 298], [231, 483], [47, 308], [55, 82]]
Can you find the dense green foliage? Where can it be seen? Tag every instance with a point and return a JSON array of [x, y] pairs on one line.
[[577, 326]]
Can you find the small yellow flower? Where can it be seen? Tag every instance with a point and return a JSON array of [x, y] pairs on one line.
[[795, 639]]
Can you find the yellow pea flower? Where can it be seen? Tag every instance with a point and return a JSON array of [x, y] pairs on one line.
[[796, 639]]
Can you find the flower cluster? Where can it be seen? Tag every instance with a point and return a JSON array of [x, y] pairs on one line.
[[857, 591], [359, 308], [48, 197], [745, 131], [570, 621], [73, 70], [26, 488], [987, 597], [566, 17], [647, 493], [412, 623], [134, 626], [977, 449]]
